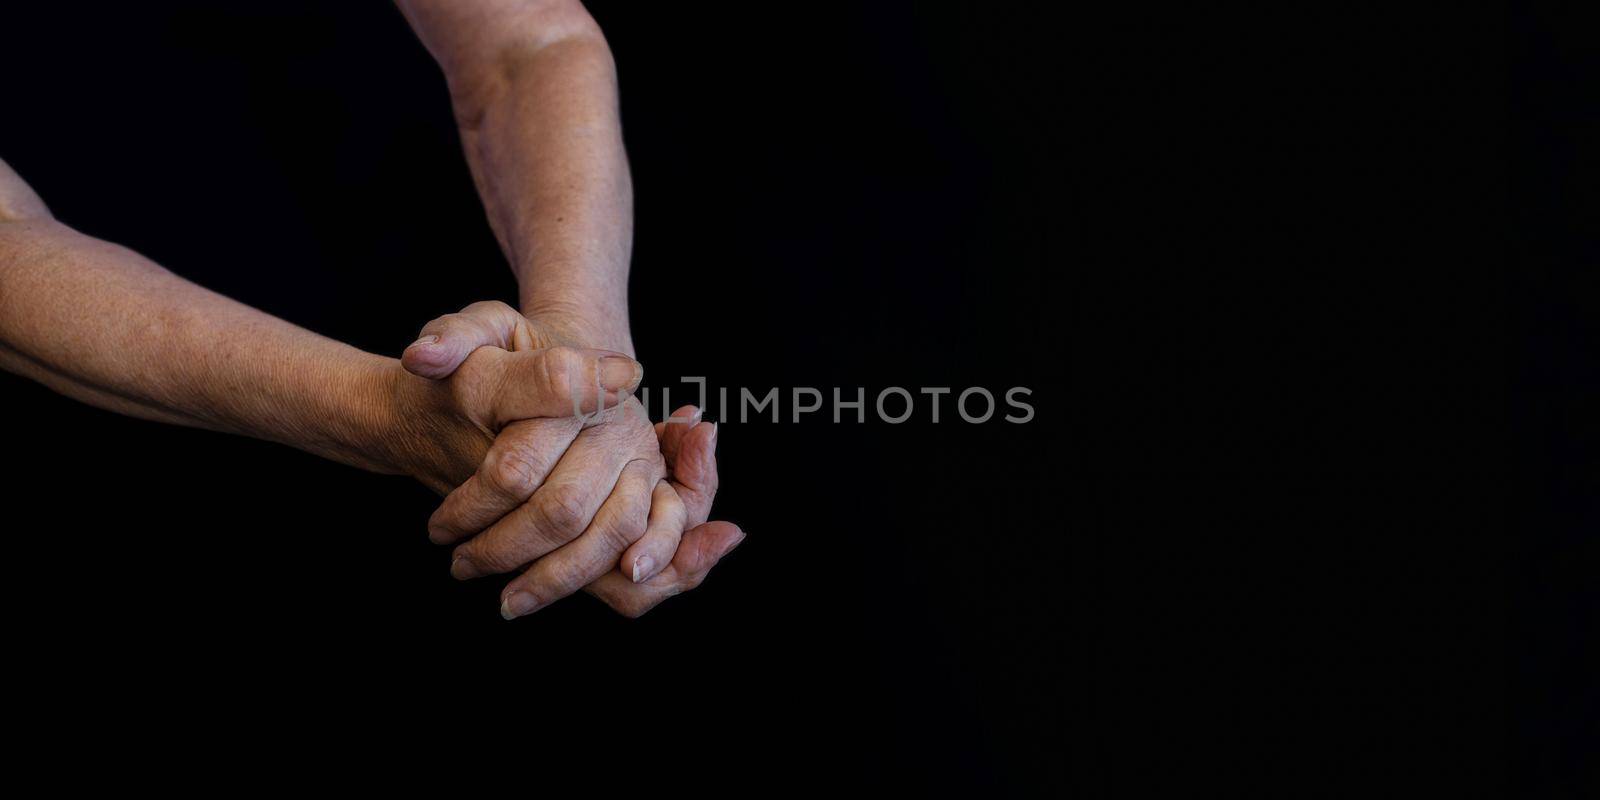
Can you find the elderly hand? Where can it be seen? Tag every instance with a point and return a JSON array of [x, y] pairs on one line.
[[446, 427], [690, 449], [587, 504]]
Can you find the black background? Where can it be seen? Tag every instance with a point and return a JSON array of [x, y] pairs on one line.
[[1555, 115], [1244, 260]]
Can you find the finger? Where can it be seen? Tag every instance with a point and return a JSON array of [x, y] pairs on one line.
[[558, 511], [517, 463], [700, 550], [447, 341], [620, 523], [694, 470], [699, 553], [558, 382], [670, 431], [654, 550]]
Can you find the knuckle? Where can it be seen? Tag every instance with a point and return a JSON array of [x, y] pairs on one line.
[[508, 546], [512, 471], [483, 307], [560, 370], [622, 531], [523, 539], [629, 517], [563, 508], [444, 320], [564, 577]]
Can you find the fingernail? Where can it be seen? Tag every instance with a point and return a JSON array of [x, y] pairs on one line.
[[619, 372], [641, 568], [713, 439], [462, 568], [517, 604], [426, 340]]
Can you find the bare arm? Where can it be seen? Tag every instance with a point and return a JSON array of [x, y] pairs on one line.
[[107, 326], [534, 91], [104, 325]]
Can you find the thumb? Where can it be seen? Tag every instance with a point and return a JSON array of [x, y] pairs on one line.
[[699, 551], [447, 341], [703, 546], [558, 382], [670, 431]]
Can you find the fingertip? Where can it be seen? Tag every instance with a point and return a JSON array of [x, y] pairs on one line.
[[730, 536], [687, 432], [463, 568], [653, 551], [694, 459], [619, 373], [439, 535], [715, 540], [644, 568], [446, 525], [671, 430], [517, 603], [709, 434], [681, 421]]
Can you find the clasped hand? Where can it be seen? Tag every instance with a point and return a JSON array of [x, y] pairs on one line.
[[550, 467]]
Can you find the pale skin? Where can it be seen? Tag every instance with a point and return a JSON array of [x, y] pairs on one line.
[[481, 406]]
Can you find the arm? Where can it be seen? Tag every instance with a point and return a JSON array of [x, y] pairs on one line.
[[535, 94], [104, 325], [534, 90]]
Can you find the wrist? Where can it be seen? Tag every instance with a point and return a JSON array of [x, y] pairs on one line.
[[563, 324], [313, 394], [366, 423], [409, 425]]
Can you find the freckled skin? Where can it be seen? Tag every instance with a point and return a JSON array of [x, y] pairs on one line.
[[534, 89]]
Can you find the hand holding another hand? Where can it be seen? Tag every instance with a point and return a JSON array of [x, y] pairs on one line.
[[582, 501]]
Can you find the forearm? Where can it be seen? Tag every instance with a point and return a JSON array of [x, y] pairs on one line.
[[534, 88], [550, 164], [104, 325]]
